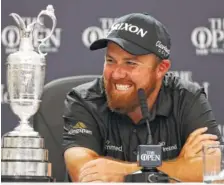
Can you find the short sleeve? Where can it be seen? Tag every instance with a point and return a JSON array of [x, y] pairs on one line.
[[80, 126], [197, 114]]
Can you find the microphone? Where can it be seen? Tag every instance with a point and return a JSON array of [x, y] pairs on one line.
[[145, 113], [143, 104], [149, 156]]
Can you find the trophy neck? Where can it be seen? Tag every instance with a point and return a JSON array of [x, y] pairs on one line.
[[26, 42], [24, 126]]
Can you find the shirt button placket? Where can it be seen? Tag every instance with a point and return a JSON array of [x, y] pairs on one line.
[[135, 150]]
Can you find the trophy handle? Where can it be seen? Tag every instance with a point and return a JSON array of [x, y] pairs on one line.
[[19, 21], [49, 12]]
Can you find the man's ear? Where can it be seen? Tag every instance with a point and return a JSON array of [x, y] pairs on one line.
[[162, 68]]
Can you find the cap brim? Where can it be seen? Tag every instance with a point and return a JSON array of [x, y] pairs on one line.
[[124, 44]]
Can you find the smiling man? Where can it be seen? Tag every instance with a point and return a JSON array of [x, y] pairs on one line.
[[103, 120]]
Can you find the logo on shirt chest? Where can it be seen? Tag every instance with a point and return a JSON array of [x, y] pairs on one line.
[[167, 148], [110, 147]]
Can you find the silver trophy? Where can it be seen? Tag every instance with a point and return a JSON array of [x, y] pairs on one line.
[[24, 157]]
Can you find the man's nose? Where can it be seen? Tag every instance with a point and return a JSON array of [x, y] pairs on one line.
[[119, 73]]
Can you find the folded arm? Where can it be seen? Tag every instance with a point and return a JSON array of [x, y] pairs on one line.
[[84, 165]]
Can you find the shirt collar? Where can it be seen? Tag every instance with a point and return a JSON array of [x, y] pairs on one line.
[[163, 105]]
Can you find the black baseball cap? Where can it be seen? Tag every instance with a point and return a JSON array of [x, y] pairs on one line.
[[138, 34]]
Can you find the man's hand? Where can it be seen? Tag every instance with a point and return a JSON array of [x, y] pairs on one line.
[[103, 170], [195, 141], [188, 165]]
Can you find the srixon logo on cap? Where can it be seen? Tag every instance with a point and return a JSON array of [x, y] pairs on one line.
[[150, 156], [128, 27]]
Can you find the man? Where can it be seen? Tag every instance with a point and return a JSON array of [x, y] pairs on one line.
[[103, 119]]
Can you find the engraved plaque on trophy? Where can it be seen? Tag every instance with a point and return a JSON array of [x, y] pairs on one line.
[[24, 157]]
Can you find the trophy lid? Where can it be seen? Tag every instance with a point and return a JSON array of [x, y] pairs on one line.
[[26, 52]]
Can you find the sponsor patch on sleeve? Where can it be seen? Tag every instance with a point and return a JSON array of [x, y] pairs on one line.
[[80, 128]]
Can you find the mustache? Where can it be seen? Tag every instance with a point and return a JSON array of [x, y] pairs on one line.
[[122, 81]]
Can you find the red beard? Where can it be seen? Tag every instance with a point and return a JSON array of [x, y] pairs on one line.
[[123, 102]]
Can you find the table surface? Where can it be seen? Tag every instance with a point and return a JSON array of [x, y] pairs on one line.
[[47, 183]]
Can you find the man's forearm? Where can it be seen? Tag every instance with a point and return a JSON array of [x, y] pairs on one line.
[[75, 158], [128, 167], [187, 170], [131, 167]]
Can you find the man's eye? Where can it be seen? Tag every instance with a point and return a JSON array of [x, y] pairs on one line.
[[109, 61], [132, 63]]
